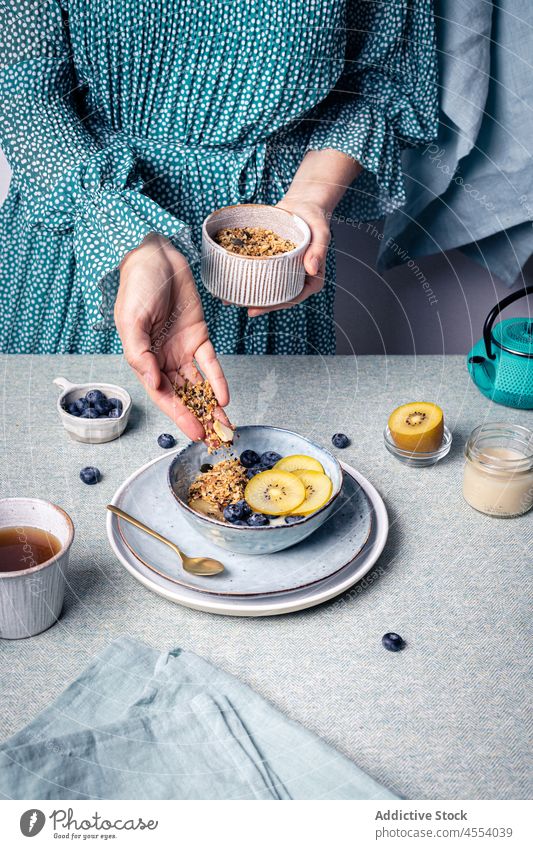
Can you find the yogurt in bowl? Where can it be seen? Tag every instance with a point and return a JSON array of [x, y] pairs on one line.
[[278, 534]]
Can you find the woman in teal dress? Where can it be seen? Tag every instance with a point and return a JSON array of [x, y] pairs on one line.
[[126, 122]]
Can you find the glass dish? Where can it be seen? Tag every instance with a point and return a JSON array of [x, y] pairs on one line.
[[418, 459]]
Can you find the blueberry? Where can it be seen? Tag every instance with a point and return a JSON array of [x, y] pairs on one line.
[[245, 509], [81, 404], [102, 407], [90, 475], [166, 440], [249, 458], [250, 473], [234, 512], [206, 467], [114, 413], [340, 440], [290, 520], [73, 409], [393, 642], [269, 458], [89, 413], [94, 395], [257, 520], [115, 404]]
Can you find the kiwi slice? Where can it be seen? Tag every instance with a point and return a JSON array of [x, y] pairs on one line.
[[417, 427], [294, 462], [274, 493], [318, 489]]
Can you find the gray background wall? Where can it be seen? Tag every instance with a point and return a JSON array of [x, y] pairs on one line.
[[390, 312]]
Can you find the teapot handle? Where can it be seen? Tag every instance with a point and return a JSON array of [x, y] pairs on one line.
[[494, 313]]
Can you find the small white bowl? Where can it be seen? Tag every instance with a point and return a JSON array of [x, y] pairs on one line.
[[31, 599], [92, 430], [254, 281]]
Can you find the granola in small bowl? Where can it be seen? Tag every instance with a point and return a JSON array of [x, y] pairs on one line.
[[253, 241]]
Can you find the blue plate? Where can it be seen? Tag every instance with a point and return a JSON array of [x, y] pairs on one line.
[[334, 545]]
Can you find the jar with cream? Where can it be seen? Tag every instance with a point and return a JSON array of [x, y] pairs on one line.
[[498, 474]]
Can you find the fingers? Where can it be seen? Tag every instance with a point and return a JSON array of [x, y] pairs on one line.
[[208, 363], [168, 402], [315, 255], [137, 351]]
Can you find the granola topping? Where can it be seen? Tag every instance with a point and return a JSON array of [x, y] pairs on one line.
[[253, 241], [222, 485]]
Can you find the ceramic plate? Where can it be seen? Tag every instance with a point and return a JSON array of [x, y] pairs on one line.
[[319, 547], [147, 497]]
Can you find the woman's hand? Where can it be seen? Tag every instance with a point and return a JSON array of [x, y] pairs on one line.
[[160, 320], [318, 185]]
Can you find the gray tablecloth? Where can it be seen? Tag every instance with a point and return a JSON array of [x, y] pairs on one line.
[[447, 717]]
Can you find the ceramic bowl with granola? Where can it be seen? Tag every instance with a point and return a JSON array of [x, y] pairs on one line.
[[252, 254], [267, 491]]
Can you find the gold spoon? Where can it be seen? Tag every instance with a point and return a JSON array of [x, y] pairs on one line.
[[205, 566]]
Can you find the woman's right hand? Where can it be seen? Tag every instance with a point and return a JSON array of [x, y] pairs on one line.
[[159, 317]]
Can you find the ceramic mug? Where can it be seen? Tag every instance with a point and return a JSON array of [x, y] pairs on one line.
[[31, 599]]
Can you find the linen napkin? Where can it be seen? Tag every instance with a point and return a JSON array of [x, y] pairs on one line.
[[143, 724]]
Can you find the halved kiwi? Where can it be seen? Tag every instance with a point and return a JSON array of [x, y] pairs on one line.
[[417, 427], [274, 493], [293, 462], [318, 488]]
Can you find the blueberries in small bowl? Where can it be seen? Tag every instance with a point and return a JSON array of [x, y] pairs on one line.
[[269, 459], [115, 404], [166, 440], [94, 395], [249, 459], [90, 475], [95, 405], [340, 440], [90, 413]]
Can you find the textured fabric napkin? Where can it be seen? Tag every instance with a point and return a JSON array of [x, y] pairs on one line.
[[143, 724]]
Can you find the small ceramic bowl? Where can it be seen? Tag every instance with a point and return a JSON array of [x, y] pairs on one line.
[[92, 430], [31, 599], [254, 281], [185, 467], [420, 459]]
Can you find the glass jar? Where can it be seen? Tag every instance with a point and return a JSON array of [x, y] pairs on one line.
[[498, 474]]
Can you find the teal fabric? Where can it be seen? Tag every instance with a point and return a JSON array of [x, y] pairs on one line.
[[473, 187], [121, 117], [143, 724]]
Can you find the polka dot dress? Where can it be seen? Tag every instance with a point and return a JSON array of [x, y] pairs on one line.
[[124, 117]]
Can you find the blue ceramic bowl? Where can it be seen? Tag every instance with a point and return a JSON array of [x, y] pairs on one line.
[[240, 538]]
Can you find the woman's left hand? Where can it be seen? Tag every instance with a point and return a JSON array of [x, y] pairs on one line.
[[317, 187], [315, 216]]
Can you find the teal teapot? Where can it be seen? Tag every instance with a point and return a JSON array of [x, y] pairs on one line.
[[501, 364]]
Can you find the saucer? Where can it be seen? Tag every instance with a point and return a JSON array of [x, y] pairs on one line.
[[320, 567]]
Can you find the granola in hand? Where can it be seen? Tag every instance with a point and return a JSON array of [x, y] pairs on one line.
[[200, 400]]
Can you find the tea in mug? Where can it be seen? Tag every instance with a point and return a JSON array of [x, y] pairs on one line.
[[24, 547]]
